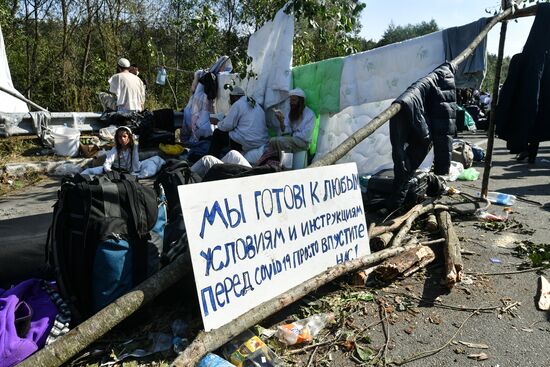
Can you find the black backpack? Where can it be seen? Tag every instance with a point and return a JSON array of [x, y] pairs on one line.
[[89, 212], [173, 174]]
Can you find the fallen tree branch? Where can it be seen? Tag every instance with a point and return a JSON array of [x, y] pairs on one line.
[[394, 223], [511, 272], [208, 341], [453, 259], [99, 324], [422, 208]]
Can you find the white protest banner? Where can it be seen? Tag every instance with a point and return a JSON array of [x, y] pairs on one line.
[[253, 238]]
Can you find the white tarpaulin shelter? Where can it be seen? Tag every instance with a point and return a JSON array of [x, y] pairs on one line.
[[8, 103]]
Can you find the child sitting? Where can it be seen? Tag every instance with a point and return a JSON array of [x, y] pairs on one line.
[[123, 157]]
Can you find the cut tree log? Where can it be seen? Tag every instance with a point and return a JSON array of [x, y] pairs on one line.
[[431, 223], [453, 259], [393, 224], [405, 263], [380, 242], [209, 341]]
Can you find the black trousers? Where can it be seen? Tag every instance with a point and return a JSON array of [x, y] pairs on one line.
[[221, 143]]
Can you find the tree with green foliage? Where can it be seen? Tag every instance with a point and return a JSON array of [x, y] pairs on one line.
[[489, 80], [400, 33], [62, 52]]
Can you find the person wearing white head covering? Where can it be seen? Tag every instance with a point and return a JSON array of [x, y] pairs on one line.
[[296, 127], [243, 128], [128, 88], [196, 114]]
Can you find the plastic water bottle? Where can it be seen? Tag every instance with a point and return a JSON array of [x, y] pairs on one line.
[[161, 76], [303, 330], [500, 198]]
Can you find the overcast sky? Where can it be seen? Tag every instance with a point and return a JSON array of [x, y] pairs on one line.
[[447, 13]]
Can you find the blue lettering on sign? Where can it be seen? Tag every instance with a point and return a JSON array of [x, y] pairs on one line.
[[232, 218], [277, 200]]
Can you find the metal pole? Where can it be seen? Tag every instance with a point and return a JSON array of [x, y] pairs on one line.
[[491, 132]]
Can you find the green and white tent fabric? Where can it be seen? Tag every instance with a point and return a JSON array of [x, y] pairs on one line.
[[368, 84]]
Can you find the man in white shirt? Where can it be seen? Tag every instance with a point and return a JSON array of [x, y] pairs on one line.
[[242, 129], [296, 127], [128, 88]]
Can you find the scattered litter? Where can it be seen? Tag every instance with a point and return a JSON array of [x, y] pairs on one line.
[[303, 330], [486, 216], [435, 319], [478, 356], [527, 330], [544, 294], [470, 174], [467, 280], [538, 253], [247, 349], [451, 191], [474, 345], [211, 360], [494, 260]]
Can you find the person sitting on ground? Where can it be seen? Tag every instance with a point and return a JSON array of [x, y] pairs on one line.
[[296, 127], [123, 157], [196, 125], [128, 88], [243, 129]]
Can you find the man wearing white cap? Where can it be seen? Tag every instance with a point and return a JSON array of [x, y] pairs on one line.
[[128, 88], [242, 129], [296, 127]]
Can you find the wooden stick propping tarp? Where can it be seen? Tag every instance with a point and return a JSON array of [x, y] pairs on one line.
[[27, 101]]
